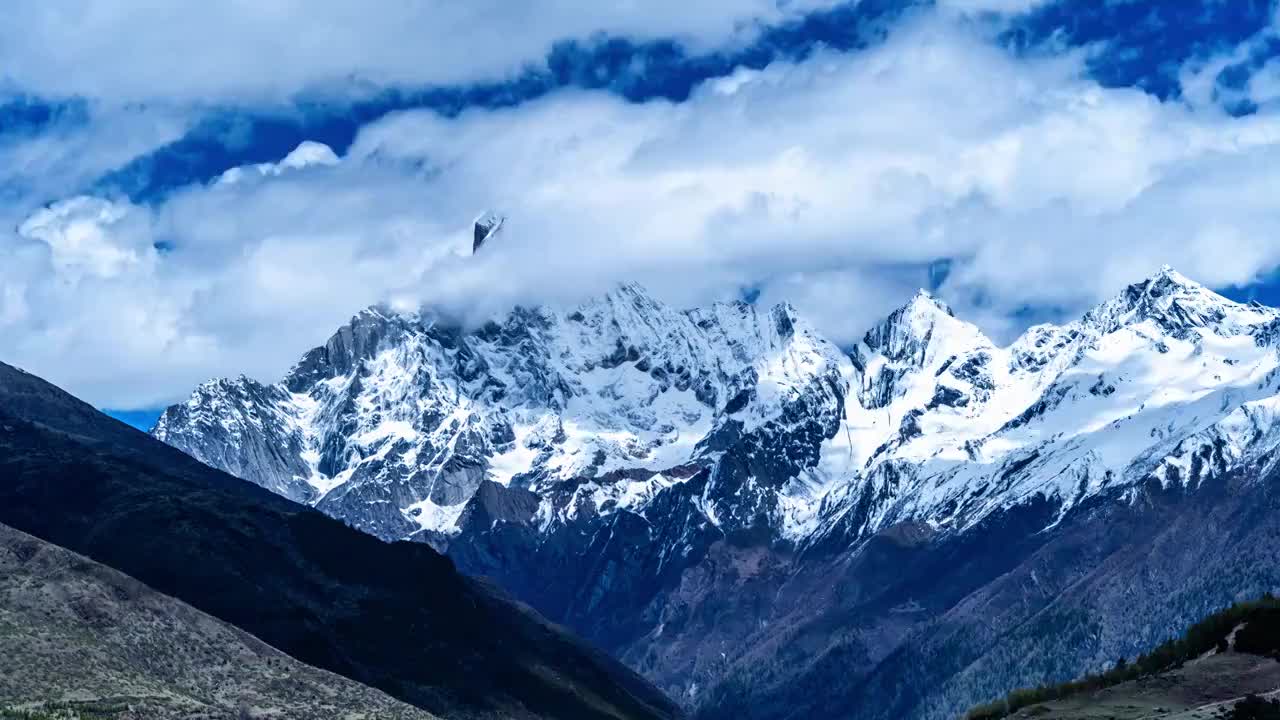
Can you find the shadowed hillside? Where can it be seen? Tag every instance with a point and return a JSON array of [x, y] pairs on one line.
[[395, 616]]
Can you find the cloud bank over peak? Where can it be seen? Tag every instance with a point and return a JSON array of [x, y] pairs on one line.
[[839, 182]]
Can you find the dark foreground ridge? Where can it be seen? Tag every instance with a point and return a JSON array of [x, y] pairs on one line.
[[395, 616]]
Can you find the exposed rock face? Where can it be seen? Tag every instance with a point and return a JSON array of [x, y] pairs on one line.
[[236, 426], [1002, 605], [486, 226], [721, 488]]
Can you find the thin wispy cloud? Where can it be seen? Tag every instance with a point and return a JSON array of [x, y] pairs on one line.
[[238, 50]]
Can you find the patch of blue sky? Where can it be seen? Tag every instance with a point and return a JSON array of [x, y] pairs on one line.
[[1144, 44], [143, 420]]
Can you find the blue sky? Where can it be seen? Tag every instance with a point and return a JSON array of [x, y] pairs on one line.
[[824, 153]]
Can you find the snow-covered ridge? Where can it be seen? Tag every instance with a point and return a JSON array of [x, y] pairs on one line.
[[1062, 413], [418, 414], [748, 414]]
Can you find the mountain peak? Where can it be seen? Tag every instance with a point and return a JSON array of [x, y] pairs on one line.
[[630, 288], [485, 227], [914, 319], [922, 332], [1177, 304], [1168, 273], [625, 294], [1166, 280], [925, 302]]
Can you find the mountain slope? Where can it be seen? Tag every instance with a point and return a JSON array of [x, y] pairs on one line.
[[1202, 690], [1224, 664], [1008, 605], [400, 618], [737, 508], [76, 631]]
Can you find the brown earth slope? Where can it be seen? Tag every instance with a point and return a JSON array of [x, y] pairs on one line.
[[74, 633], [1199, 690]]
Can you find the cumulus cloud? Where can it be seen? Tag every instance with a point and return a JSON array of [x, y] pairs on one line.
[[832, 183], [936, 145], [307, 154], [247, 49], [83, 236], [127, 304]]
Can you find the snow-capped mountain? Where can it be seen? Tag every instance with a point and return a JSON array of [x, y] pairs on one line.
[[396, 421], [683, 486], [961, 427]]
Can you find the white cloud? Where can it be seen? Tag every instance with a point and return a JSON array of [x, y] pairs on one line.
[[250, 49], [1264, 85], [830, 183], [83, 234], [308, 154]]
